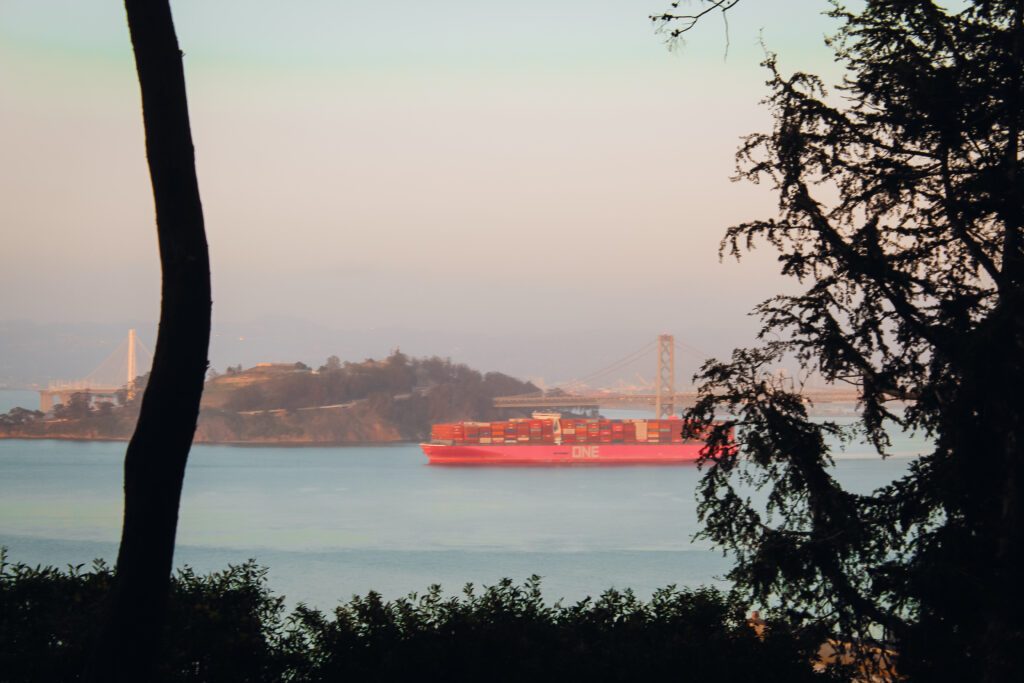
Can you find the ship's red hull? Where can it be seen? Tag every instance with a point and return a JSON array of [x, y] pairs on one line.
[[560, 454]]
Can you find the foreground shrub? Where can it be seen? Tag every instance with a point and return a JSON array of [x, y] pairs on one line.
[[227, 626], [220, 627], [507, 633]]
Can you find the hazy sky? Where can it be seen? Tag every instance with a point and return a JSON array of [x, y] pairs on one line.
[[451, 165]]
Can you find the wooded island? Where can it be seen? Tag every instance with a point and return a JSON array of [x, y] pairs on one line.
[[390, 400]]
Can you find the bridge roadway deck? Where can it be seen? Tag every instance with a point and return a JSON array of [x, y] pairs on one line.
[[680, 399], [63, 391]]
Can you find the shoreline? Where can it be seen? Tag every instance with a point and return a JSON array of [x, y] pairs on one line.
[[258, 444]]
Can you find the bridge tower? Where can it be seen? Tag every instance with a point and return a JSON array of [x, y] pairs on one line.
[[664, 400], [116, 373], [130, 384]]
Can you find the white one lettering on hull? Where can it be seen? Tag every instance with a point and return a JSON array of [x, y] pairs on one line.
[[586, 451]]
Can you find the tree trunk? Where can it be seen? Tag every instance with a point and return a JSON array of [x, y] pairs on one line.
[[157, 453]]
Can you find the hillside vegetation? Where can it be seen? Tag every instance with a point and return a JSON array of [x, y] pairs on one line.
[[395, 399]]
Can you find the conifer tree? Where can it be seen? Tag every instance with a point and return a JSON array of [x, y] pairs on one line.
[[901, 210]]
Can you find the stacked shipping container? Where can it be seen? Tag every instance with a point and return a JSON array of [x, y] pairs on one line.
[[568, 430]]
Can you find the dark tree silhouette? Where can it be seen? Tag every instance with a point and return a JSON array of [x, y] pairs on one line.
[[677, 23], [157, 453], [901, 207]]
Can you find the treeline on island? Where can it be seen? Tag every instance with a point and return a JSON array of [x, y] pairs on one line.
[[390, 400]]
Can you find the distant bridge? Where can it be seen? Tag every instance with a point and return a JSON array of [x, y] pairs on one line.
[[613, 400], [663, 401], [114, 375]]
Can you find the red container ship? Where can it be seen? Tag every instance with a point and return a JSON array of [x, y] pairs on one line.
[[554, 440]]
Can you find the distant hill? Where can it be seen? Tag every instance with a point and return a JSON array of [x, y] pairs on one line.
[[395, 399]]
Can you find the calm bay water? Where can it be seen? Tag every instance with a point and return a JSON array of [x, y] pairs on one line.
[[333, 522]]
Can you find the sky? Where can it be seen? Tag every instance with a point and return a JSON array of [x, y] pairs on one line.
[[530, 170]]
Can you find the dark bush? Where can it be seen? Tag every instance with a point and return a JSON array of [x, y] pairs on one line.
[[507, 633], [227, 626], [220, 627], [46, 619]]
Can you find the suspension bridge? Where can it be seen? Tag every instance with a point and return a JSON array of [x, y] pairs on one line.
[[659, 394], [116, 376], [113, 376]]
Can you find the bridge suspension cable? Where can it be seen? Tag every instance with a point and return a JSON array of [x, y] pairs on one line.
[[123, 364], [649, 349], [665, 399], [118, 371], [692, 350], [619, 364]]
